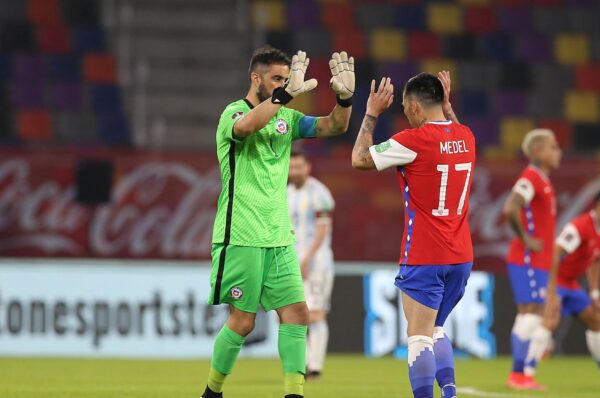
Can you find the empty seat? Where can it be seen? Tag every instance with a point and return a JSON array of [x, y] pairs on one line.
[[53, 39], [338, 16], [106, 98], [34, 125], [113, 129], [485, 128], [470, 74], [27, 66], [388, 45], [88, 39], [535, 48], [74, 127], [551, 20], [459, 46], [302, 14], [552, 77], [4, 68], [582, 107], [498, 47], [373, 16], [586, 137], [571, 48], [515, 75], [510, 103], [480, 20], [63, 67], [473, 103], [587, 77], [99, 68], [546, 103], [436, 65], [269, 15], [515, 19], [352, 41], [66, 96], [81, 12], [16, 36], [44, 12], [411, 18], [399, 72], [444, 18], [513, 130], [562, 129], [423, 45], [317, 43], [13, 11], [27, 93]]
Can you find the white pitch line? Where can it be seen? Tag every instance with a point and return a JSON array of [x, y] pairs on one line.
[[478, 393]]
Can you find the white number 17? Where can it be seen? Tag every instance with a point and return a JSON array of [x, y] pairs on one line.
[[444, 168]]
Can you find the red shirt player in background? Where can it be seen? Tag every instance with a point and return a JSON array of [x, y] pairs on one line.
[[531, 212], [434, 162], [576, 252]]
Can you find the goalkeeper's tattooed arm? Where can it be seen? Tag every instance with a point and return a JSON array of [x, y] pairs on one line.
[[377, 103]]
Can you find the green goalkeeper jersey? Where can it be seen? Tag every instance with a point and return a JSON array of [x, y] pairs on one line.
[[253, 207]]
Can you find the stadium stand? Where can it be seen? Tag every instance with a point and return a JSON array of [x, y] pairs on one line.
[[53, 54]]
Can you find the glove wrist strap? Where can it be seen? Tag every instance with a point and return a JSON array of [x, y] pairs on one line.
[[280, 96], [344, 103]]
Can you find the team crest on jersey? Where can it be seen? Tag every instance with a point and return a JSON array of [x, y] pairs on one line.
[[236, 293], [281, 126], [236, 115]]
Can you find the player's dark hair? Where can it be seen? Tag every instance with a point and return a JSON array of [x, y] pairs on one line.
[[298, 153], [597, 198], [426, 89], [267, 56]]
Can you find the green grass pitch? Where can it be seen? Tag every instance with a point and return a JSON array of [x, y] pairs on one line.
[[345, 376]]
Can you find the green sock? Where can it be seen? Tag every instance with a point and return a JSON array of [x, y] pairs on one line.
[[292, 351], [227, 347]]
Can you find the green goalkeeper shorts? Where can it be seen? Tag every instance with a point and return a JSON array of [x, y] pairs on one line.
[[248, 276]]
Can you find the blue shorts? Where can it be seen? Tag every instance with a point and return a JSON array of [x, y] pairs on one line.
[[528, 284], [573, 301], [436, 286]]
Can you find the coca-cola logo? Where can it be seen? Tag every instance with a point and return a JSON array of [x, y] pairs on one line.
[[162, 209]]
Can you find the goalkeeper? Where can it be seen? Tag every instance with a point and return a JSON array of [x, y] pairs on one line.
[[253, 257]]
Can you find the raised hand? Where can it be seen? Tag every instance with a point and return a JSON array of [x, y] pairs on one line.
[[444, 77], [381, 99], [296, 84], [342, 72]]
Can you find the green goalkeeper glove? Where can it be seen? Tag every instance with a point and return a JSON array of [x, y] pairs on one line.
[[342, 81], [295, 84]]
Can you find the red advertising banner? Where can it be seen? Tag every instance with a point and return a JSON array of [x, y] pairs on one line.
[[163, 206]]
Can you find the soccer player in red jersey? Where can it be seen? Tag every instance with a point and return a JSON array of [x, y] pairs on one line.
[[434, 162], [531, 212], [576, 252]]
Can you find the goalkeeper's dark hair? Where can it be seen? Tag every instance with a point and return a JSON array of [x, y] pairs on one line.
[[267, 56], [597, 198], [426, 88]]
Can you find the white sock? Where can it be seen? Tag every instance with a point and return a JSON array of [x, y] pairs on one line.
[[316, 345], [525, 325], [540, 340], [593, 343]]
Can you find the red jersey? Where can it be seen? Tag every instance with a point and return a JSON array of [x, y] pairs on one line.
[[581, 240], [538, 216], [435, 168]]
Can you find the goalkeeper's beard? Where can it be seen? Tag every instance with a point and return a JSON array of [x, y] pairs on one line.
[[262, 93]]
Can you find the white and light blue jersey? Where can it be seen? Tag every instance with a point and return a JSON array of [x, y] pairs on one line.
[[309, 206]]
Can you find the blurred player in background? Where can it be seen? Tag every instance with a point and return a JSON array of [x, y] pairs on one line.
[[311, 206], [531, 212], [576, 252], [434, 162], [253, 260]]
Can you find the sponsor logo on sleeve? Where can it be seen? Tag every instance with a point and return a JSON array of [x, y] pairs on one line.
[[237, 115], [384, 146], [236, 293]]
